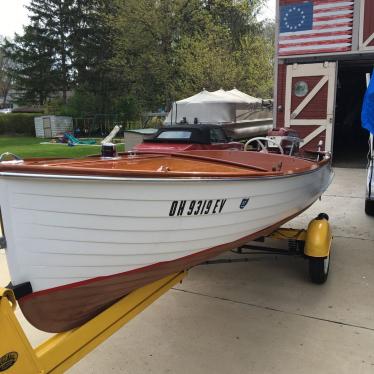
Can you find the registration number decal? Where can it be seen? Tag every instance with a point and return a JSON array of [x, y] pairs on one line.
[[196, 207]]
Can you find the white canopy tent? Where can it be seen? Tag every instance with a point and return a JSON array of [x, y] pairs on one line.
[[250, 99], [213, 107]]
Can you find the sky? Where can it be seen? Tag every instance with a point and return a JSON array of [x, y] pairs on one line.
[[268, 12], [13, 15]]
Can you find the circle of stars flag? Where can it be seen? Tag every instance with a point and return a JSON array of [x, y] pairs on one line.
[[315, 27]]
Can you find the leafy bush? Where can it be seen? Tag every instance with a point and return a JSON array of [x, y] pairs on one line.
[[14, 123]]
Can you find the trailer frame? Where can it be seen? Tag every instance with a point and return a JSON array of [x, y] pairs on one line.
[[63, 350]]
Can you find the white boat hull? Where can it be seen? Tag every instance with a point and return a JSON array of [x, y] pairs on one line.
[[62, 231]]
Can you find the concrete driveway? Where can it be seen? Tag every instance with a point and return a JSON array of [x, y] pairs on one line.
[[263, 316]]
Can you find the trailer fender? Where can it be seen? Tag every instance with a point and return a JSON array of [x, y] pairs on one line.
[[318, 237]]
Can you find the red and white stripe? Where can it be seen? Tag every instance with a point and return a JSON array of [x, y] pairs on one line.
[[332, 30]]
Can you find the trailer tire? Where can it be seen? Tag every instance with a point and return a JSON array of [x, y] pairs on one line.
[[319, 269], [369, 207]]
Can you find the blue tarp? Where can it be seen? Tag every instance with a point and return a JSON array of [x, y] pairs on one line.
[[367, 115]]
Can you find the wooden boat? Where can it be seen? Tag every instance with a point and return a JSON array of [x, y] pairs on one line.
[[83, 233]]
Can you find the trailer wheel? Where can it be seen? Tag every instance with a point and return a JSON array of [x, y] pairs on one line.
[[319, 269], [369, 207]]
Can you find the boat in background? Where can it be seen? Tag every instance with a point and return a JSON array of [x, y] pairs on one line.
[[187, 138], [81, 234], [241, 115]]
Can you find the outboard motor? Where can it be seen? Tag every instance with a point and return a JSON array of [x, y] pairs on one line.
[[288, 139]]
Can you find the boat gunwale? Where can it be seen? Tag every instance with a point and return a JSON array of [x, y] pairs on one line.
[[165, 178], [243, 169]]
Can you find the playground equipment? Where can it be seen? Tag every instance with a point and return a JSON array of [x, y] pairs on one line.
[[72, 140]]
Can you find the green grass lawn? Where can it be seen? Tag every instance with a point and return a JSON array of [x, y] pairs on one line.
[[27, 147]]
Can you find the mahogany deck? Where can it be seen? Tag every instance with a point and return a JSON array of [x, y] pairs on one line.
[[191, 164]]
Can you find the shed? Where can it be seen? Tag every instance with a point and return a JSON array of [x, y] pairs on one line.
[[51, 126], [325, 49]]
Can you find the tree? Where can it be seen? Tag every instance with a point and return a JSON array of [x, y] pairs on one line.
[[145, 33], [169, 50], [134, 55], [237, 16], [42, 53], [257, 72], [52, 21], [91, 43], [205, 62], [6, 77], [34, 65], [66, 45]]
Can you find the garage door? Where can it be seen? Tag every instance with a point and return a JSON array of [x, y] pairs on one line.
[[309, 103], [367, 25]]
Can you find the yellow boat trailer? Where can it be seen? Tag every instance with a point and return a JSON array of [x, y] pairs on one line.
[[63, 350], [314, 244]]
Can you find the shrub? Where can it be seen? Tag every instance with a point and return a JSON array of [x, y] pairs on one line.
[[17, 123]]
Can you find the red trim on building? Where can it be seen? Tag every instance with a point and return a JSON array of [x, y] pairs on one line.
[[369, 21], [281, 94]]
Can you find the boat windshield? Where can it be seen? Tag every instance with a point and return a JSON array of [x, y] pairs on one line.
[[174, 135]]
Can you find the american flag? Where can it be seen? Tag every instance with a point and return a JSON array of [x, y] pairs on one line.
[[315, 27]]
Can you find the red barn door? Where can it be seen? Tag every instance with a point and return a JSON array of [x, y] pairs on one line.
[[309, 103], [367, 25]]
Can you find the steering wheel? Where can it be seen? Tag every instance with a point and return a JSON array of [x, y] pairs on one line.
[[259, 140]]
